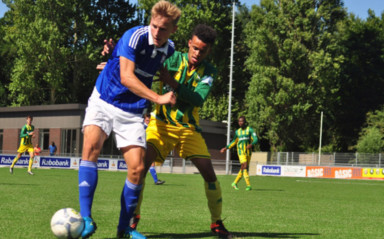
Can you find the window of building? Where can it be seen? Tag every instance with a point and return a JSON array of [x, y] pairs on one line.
[[44, 139], [70, 142]]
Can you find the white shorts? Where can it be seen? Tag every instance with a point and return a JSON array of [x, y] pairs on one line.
[[128, 127]]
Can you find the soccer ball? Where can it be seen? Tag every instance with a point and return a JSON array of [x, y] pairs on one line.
[[67, 223]]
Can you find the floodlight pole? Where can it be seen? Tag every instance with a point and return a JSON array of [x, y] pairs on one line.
[[228, 155], [321, 133]]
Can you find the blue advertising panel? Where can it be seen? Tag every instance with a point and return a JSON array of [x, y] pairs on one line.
[[48, 162], [103, 164], [8, 159], [271, 170]]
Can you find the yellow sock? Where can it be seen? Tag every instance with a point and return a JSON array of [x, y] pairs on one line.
[[215, 201], [246, 177], [30, 164], [14, 161], [239, 176], [137, 210]]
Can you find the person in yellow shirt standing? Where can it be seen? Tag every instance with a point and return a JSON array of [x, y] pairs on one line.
[[245, 138], [26, 135]]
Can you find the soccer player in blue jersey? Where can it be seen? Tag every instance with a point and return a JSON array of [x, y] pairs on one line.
[[120, 95]]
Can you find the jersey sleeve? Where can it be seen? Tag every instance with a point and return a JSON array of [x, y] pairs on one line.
[[129, 44], [253, 136], [24, 132], [233, 142], [199, 94]]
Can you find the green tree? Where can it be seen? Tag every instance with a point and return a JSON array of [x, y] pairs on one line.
[[58, 46], [294, 69], [372, 135], [362, 78]]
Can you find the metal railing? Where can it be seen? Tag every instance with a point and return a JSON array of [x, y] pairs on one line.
[[327, 159]]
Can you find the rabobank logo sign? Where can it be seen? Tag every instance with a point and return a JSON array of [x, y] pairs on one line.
[[121, 165], [271, 170], [55, 162], [103, 164], [8, 159]]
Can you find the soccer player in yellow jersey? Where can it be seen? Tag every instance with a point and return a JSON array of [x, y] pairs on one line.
[[245, 138], [26, 135], [190, 76]]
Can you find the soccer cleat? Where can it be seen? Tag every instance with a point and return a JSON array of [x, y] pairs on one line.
[[30, 173], [234, 185], [219, 229], [159, 182], [130, 233], [11, 170], [89, 227], [134, 221], [248, 188]]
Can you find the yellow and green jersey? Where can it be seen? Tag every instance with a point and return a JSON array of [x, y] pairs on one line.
[[193, 90], [25, 138], [243, 137]]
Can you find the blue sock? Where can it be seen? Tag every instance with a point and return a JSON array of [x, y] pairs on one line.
[[152, 170], [87, 185], [128, 201]]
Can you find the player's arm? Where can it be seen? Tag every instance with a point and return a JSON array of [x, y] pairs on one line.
[[253, 137], [197, 96], [231, 144], [24, 132], [129, 80]]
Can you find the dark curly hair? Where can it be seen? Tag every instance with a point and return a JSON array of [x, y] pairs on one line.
[[205, 33]]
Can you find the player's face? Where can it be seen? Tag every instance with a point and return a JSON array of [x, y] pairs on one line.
[[146, 120], [161, 28], [29, 121], [198, 50], [241, 122]]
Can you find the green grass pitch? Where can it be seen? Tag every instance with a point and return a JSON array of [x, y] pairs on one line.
[[277, 207]]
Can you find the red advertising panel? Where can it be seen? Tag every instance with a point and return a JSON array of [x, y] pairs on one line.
[[334, 172]]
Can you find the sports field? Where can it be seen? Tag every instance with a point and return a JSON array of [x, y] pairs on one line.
[[276, 207]]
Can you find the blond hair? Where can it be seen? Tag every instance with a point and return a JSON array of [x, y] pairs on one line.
[[166, 9]]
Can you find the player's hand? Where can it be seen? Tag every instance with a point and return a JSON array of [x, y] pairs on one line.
[[108, 47], [168, 98], [223, 150], [249, 146], [101, 66]]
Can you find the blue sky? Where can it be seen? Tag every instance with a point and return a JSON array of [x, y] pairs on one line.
[[358, 7]]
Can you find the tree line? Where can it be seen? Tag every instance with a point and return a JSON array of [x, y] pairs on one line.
[[293, 60]]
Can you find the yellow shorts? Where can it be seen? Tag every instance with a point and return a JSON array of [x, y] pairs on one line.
[[165, 137], [244, 158], [24, 148]]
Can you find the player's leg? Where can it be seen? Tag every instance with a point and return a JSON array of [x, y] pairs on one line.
[[134, 158], [245, 167], [213, 194], [19, 152], [237, 179], [153, 172], [94, 138], [150, 156], [31, 157]]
